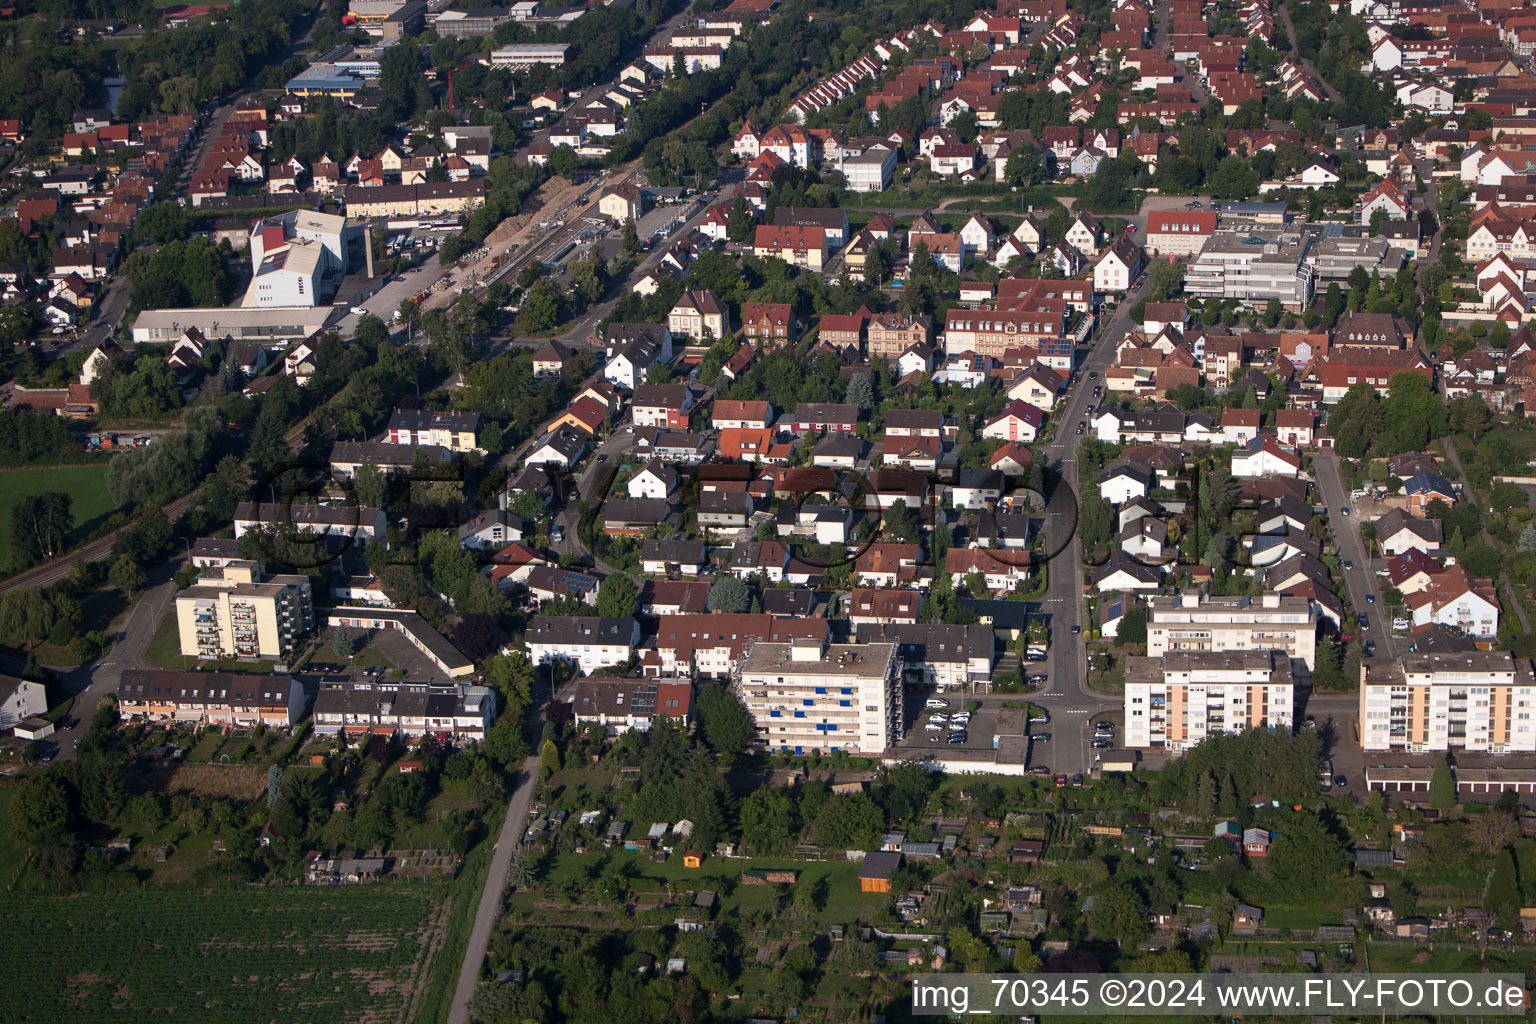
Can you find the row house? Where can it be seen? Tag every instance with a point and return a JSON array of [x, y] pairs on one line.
[[454, 712], [211, 698]]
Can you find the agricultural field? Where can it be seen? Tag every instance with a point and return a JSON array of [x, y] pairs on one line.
[[358, 955], [86, 486]]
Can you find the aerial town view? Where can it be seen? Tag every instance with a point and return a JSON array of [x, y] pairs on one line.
[[742, 512]]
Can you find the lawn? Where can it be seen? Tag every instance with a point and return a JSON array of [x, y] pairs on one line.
[[86, 486], [164, 651], [344, 954]]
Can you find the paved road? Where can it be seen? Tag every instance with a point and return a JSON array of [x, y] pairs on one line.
[[51, 572], [1361, 581], [1067, 695], [90, 683]]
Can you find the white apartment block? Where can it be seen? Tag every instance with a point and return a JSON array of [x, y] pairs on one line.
[[813, 696], [238, 611], [1193, 622], [1477, 700], [1176, 701], [591, 642]]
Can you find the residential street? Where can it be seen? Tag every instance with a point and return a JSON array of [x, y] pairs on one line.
[[1362, 580], [1073, 705]]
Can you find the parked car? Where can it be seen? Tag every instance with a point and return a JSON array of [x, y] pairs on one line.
[[1076, 629], [1077, 780], [1040, 737], [1365, 623], [1061, 780], [934, 727], [937, 702], [1038, 769], [1104, 726], [1102, 744], [1037, 679], [957, 737], [1039, 719]]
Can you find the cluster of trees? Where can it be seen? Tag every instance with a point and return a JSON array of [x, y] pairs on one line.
[[172, 70], [173, 464], [1363, 423], [48, 73], [136, 388], [191, 273], [1233, 768], [29, 439]]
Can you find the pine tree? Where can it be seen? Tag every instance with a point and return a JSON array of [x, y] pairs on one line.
[[343, 643], [1205, 796], [1442, 787]]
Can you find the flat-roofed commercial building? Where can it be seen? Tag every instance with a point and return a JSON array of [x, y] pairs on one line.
[[810, 695], [1474, 700], [266, 324], [1192, 622], [524, 54], [1181, 698]]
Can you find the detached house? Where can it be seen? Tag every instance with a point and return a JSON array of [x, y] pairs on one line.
[[698, 315]]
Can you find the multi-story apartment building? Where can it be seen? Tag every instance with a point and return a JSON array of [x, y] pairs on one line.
[[589, 641], [811, 695], [992, 332], [239, 611], [412, 710], [1476, 700], [1178, 700], [1193, 622], [891, 334], [1253, 264], [937, 654]]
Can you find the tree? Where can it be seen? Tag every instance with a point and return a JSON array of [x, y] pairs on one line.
[[1234, 178], [1501, 891], [769, 821], [849, 822], [739, 225], [563, 162], [1024, 165], [549, 759], [126, 575], [1442, 787], [40, 808], [1307, 854], [860, 392], [724, 722], [1025, 959], [1133, 627], [900, 523], [728, 593], [629, 245], [1491, 832], [342, 642], [1118, 913], [40, 526], [617, 597], [1412, 412]]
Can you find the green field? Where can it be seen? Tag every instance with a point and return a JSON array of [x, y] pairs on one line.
[[353, 954], [86, 485]]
